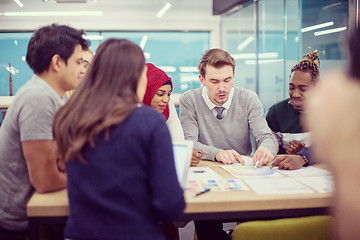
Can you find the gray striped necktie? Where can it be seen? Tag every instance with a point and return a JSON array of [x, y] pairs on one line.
[[219, 111]]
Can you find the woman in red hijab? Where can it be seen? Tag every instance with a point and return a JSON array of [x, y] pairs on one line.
[[158, 90], [157, 95]]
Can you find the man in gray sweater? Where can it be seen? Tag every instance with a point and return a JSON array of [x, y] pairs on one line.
[[218, 118]]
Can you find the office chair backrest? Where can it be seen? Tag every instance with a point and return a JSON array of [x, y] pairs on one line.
[[302, 228]]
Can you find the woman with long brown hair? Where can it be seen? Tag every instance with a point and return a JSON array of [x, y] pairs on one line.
[[118, 153]]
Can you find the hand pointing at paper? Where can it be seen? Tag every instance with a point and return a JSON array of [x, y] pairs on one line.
[[262, 156]]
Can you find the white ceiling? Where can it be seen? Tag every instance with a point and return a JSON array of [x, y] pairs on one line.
[[118, 15]]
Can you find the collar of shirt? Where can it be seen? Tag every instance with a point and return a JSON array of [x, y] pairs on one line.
[[212, 106]]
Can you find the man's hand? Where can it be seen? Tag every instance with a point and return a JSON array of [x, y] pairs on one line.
[[60, 164], [262, 156], [289, 162], [229, 157], [294, 147], [196, 157]]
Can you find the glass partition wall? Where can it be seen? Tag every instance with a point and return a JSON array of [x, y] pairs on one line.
[[177, 53], [331, 39], [267, 38]]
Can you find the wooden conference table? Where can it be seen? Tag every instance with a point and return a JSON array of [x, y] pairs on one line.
[[51, 208]]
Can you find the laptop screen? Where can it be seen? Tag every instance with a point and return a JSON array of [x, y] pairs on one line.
[[182, 156]]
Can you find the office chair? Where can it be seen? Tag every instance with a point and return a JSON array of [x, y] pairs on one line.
[[301, 228]]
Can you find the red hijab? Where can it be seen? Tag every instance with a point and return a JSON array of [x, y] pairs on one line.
[[155, 79]]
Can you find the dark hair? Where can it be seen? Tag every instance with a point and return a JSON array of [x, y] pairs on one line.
[[50, 40], [309, 64], [168, 83], [104, 98], [217, 58], [354, 53]]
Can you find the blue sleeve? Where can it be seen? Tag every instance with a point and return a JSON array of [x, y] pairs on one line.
[[306, 151], [167, 197]]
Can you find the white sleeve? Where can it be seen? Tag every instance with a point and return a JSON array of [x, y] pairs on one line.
[[174, 124]]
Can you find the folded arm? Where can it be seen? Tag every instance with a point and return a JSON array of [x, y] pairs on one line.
[[41, 159]]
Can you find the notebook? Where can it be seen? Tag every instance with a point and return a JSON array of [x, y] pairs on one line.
[[182, 156]]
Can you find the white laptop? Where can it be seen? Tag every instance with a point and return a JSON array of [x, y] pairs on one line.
[[182, 156]]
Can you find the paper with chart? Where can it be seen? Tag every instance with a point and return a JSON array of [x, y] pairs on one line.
[[277, 185], [201, 178], [305, 171], [321, 184], [240, 171], [222, 184]]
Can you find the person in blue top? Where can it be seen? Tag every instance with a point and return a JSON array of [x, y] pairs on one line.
[[118, 153], [284, 118]]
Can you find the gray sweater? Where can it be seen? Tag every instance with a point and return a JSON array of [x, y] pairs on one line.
[[233, 131]]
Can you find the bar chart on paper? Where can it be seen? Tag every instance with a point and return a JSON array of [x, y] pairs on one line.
[[201, 178]]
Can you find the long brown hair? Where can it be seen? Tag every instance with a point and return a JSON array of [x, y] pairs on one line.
[[105, 97]]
